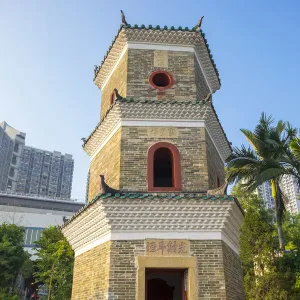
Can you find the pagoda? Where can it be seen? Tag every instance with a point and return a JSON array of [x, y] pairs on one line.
[[158, 223]]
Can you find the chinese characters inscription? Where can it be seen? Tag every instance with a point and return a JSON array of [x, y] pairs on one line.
[[167, 247], [163, 132]]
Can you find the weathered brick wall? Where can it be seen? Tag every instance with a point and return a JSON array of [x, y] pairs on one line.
[[233, 274], [201, 86], [123, 160], [134, 148], [91, 274], [214, 163], [211, 281], [106, 162], [117, 80], [109, 271], [123, 273], [180, 65]]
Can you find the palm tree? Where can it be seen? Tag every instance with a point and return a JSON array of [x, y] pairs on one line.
[[267, 159]]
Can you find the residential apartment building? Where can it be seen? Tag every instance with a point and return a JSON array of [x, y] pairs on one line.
[[12, 142], [265, 192], [291, 190], [33, 171], [45, 173]]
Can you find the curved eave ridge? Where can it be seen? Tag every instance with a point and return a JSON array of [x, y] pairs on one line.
[[192, 215], [141, 198], [108, 113], [124, 109], [159, 35]]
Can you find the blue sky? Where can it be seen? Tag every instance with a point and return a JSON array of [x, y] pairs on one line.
[[49, 49]]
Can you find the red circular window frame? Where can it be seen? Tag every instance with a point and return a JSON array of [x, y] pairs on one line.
[[171, 80]]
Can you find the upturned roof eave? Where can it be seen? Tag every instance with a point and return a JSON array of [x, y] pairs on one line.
[[124, 100], [165, 28], [131, 100], [153, 195]]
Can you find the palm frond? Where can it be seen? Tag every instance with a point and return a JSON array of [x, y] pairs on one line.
[[291, 131], [242, 152], [280, 127], [295, 147]]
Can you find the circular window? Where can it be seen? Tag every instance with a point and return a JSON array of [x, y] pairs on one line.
[[161, 80]]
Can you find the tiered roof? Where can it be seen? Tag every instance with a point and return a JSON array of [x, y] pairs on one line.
[[159, 35], [129, 196], [124, 108], [146, 215]]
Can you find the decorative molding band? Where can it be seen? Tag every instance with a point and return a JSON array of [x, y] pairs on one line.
[[121, 236], [165, 47], [162, 123], [156, 123]]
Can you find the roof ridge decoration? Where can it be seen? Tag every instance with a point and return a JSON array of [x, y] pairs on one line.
[[125, 25], [222, 190], [151, 196], [105, 188]]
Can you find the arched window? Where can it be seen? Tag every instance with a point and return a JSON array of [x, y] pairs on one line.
[[218, 182], [112, 98], [164, 170]]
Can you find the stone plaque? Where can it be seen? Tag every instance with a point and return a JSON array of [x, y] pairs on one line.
[[167, 247], [161, 58], [162, 132]]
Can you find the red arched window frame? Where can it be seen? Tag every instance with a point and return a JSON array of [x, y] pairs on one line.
[[176, 168]]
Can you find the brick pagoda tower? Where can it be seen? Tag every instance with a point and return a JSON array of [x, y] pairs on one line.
[[157, 224]]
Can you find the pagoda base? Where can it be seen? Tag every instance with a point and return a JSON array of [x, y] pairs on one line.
[[129, 248], [116, 270]]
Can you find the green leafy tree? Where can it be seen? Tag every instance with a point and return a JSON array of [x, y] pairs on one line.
[[257, 242], [269, 272], [55, 263], [267, 159], [13, 258]]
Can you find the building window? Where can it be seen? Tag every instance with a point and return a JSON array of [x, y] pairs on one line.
[[218, 182], [161, 80], [16, 147], [112, 98], [14, 160], [9, 184], [12, 172], [163, 168], [31, 235]]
